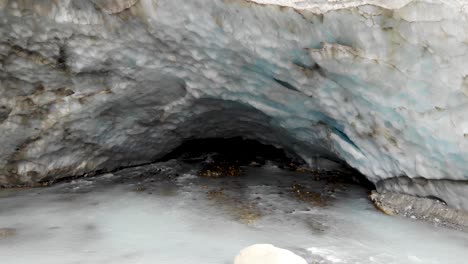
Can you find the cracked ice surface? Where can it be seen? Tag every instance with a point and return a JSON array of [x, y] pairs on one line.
[[88, 85], [164, 213]]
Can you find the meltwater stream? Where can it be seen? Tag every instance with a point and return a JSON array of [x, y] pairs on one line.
[[164, 213]]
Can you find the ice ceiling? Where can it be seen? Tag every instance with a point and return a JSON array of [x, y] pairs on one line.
[[96, 85]]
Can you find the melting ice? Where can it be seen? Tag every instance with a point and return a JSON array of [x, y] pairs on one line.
[[165, 213]]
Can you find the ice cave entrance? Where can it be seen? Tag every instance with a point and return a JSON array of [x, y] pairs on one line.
[[223, 157]]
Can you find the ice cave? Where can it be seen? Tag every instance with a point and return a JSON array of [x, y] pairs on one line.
[[234, 131]]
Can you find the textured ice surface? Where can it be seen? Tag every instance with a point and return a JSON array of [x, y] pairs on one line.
[[88, 85], [327, 5], [165, 214]]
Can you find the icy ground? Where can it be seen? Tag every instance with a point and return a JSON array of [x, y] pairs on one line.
[[165, 213]]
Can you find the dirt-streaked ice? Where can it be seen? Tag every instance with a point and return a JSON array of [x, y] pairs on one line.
[[165, 214]]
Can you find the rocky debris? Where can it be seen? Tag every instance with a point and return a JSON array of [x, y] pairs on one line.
[[4, 112], [7, 232], [220, 165], [452, 192], [307, 195], [220, 169], [245, 212], [422, 208]]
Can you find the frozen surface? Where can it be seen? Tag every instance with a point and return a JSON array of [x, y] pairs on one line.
[[165, 214]]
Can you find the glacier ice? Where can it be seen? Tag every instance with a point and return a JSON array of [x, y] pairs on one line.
[[109, 219], [90, 86]]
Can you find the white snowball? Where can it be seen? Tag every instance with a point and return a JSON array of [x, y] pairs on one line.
[[267, 254]]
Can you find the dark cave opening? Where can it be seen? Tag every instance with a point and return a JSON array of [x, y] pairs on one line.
[[220, 157], [236, 150], [226, 155]]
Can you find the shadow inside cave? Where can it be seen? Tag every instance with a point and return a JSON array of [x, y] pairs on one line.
[[227, 154]]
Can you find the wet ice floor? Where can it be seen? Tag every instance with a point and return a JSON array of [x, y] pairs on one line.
[[164, 213]]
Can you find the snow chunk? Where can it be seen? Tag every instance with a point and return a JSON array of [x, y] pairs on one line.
[[267, 254]]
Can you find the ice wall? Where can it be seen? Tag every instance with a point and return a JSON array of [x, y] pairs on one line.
[[96, 85]]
